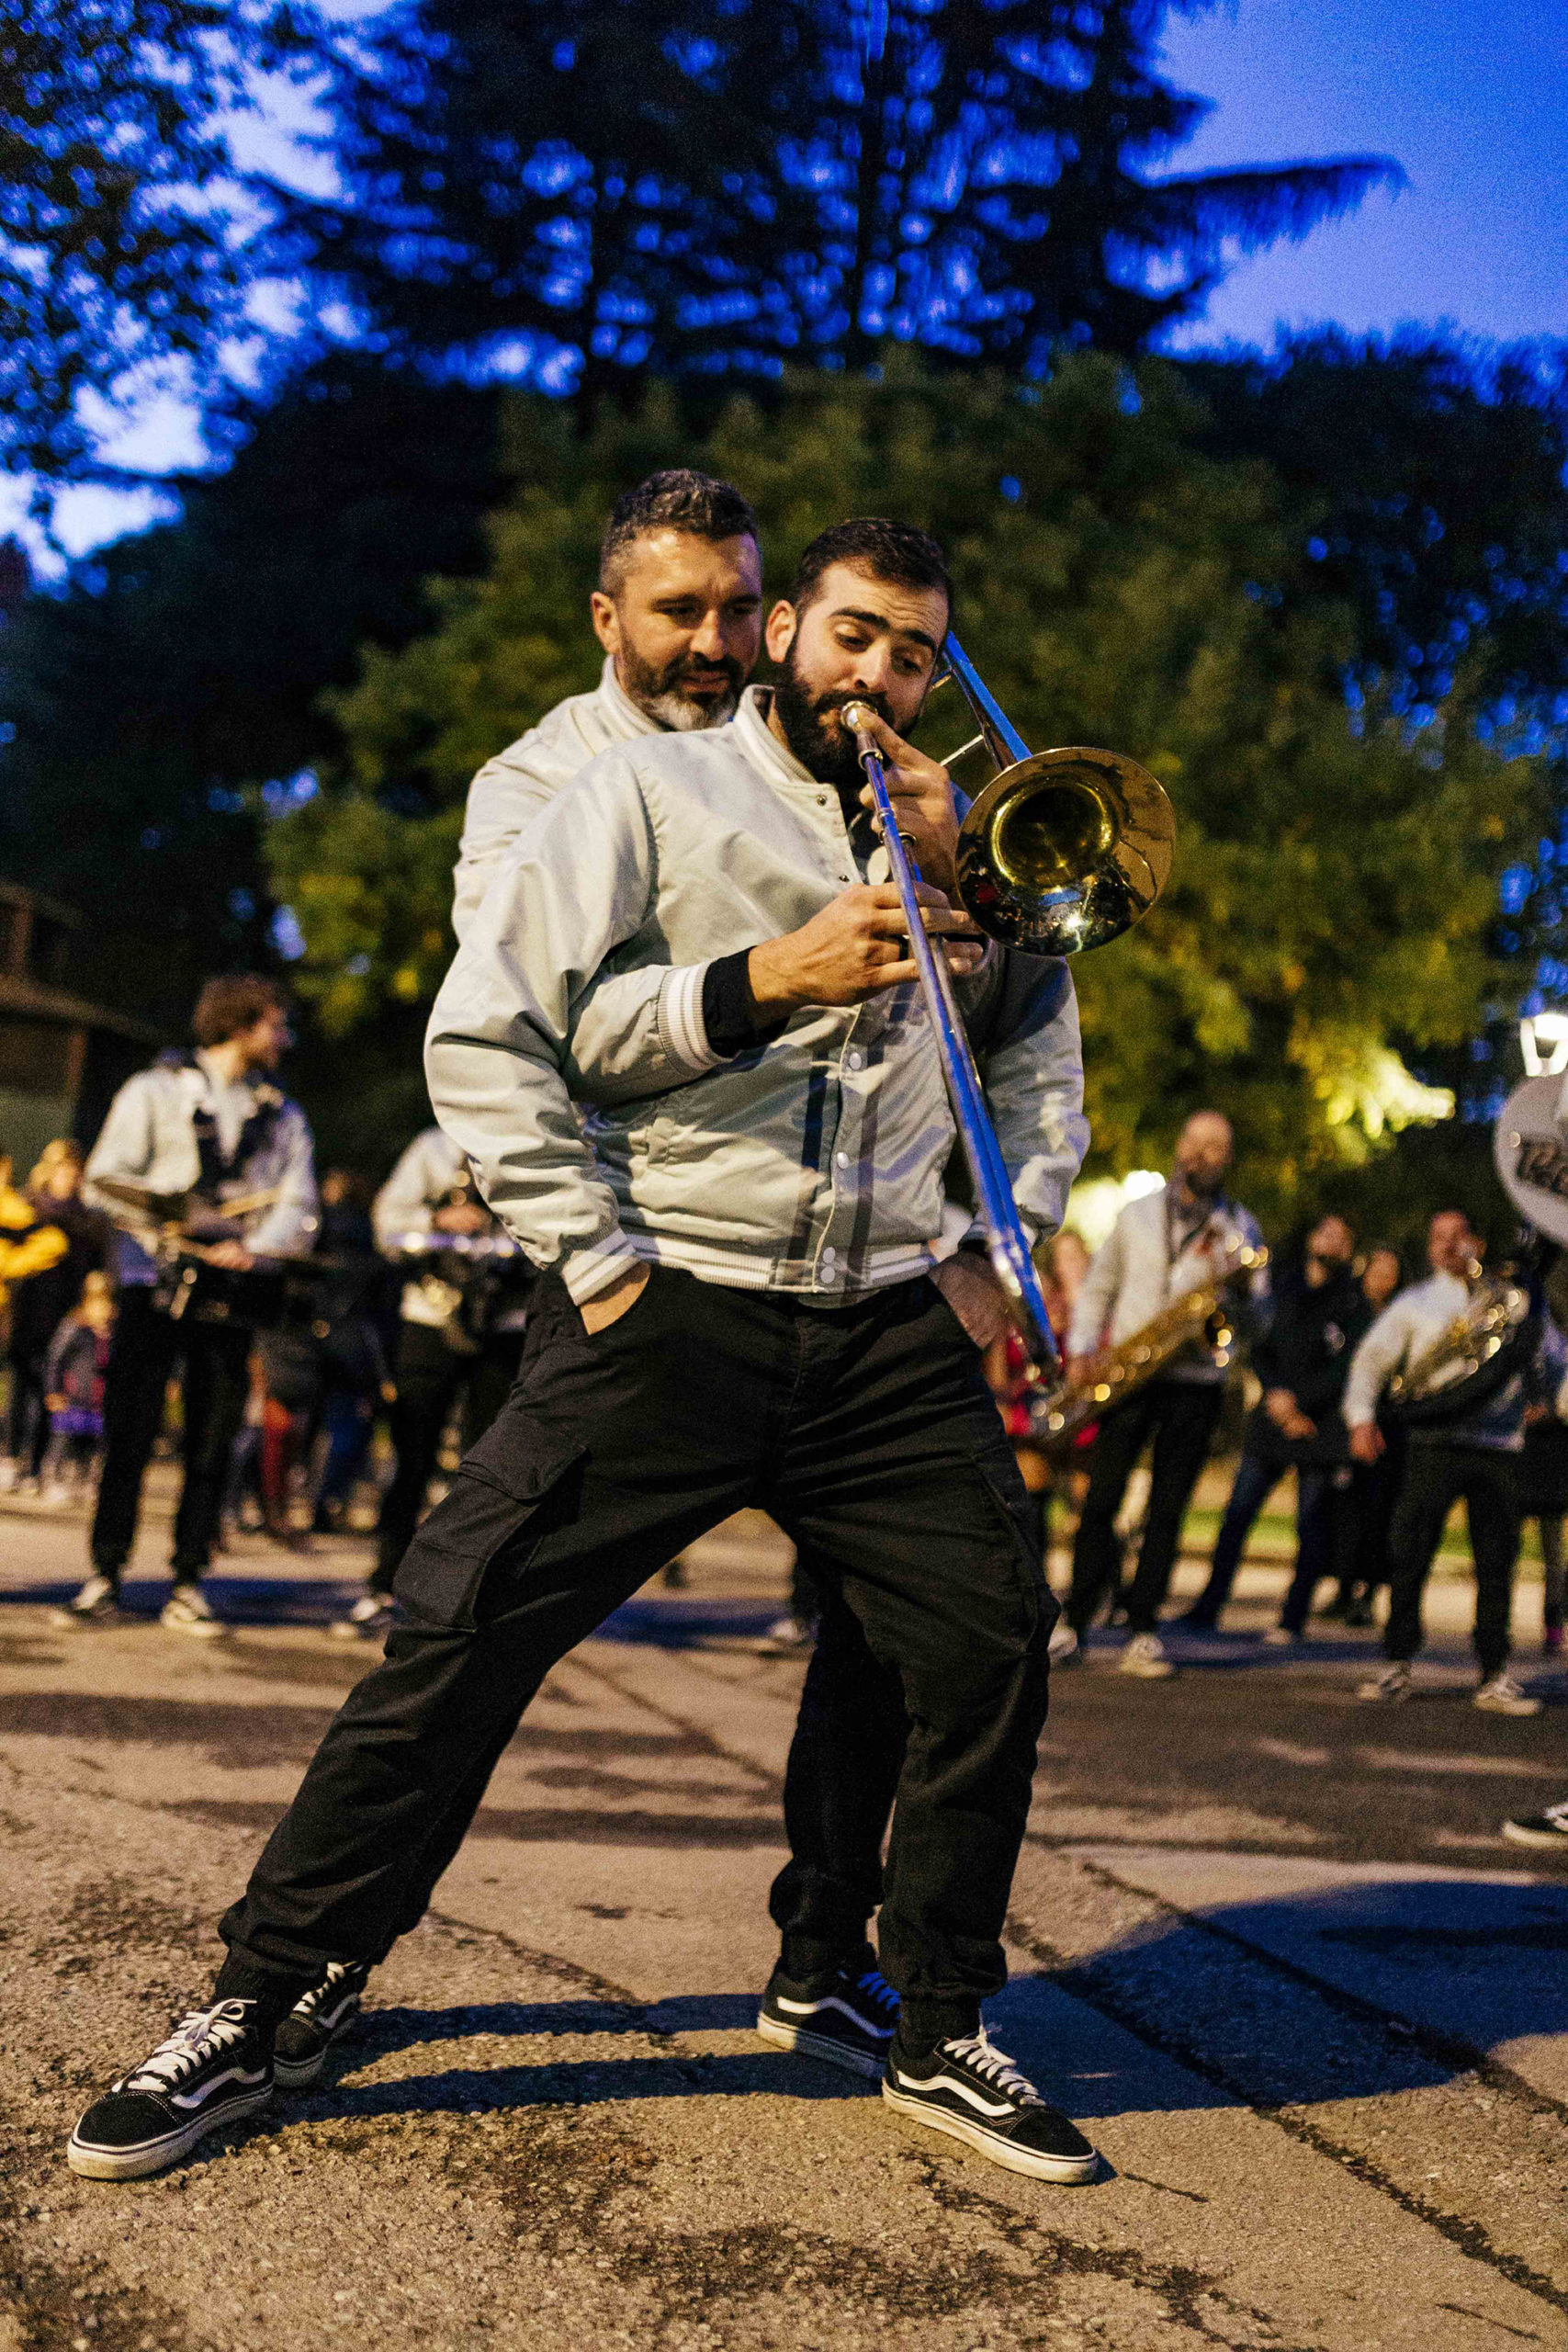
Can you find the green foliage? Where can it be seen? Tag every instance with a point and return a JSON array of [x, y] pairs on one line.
[[1334, 879]]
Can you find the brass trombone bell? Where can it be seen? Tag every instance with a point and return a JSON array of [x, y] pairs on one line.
[[1063, 850]]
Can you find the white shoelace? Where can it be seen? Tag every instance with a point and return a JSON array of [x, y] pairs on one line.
[[996, 2067], [1557, 1814], [196, 2038], [876, 1985], [312, 2001]]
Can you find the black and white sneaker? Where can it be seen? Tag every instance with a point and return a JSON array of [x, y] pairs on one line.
[[849, 2024], [97, 1603], [975, 2094], [318, 2018], [1549, 1829], [214, 2067]]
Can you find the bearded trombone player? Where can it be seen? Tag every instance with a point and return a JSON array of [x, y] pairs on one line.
[[745, 1299]]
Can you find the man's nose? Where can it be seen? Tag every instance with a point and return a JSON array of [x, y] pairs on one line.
[[873, 669], [708, 640]]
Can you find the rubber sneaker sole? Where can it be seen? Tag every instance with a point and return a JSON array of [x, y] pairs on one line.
[[1068, 2172], [149, 2156], [196, 1629], [1524, 1833], [806, 2044]]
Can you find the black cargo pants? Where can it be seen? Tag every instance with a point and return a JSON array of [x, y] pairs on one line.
[[868, 1434]]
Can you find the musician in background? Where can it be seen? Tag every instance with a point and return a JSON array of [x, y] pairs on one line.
[[1163, 1245], [1302, 1360], [1473, 1456], [456, 1341], [211, 1124]]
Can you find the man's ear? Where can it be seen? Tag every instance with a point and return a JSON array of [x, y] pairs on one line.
[[606, 620], [779, 634]]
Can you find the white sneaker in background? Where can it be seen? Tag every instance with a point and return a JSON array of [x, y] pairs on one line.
[[7, 1475], [372, 1615], [1391, 1686], [188, 1610], [1144, 1656], [1065, 1647], [57, 1496], [97, 1603], [1502, 1696]]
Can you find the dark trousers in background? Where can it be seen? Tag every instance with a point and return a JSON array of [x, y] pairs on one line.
[[1374, 1490], [348, 1416], [27, 1433], [1179, 1416], [1436, 1477], [1325, 1534], [868, 1434], [213, 1360], [431, 1375]]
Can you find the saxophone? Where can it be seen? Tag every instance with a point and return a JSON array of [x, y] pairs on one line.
[[1469, 1362], [1197, 1318]]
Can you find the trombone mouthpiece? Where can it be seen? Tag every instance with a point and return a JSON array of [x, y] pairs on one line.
[[857, 717]]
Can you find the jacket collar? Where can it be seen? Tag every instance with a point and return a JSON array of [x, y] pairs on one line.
[[621, 715], [762, 747]]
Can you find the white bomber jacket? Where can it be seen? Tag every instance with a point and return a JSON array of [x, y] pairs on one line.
[[812, 1162], [512, 787], [1133, 1276]]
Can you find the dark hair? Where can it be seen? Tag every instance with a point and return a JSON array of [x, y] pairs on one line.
[[675, 499], [234, 1002], [894, 551]]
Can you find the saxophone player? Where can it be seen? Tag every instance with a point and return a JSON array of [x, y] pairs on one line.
[[1162, 1245], [1473, 1456]]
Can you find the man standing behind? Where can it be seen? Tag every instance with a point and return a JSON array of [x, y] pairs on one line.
[[1473, 1456], [212, 1124], [679, 613], [1303, 1361], [1162, 1245], [746, 1301]]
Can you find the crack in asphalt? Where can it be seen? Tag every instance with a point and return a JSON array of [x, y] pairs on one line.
[[1091, 1981]]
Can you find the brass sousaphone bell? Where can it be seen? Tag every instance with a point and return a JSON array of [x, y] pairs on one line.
[[1063, 851]]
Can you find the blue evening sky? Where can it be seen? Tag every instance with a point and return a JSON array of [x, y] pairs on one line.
[[1470, 95]]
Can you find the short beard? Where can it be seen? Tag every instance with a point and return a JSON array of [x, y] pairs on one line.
[[1204, 1183], [656, 693], [831, 754]]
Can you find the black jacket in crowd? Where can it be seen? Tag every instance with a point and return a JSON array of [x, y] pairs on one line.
[[1307, 1348]]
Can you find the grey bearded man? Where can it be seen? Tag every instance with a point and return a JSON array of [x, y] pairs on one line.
[[751, 1295]]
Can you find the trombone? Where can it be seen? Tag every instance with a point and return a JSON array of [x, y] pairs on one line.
[[1063, 851]]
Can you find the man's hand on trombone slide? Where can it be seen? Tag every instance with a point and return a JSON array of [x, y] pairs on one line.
[[855, 947], [922, 794]]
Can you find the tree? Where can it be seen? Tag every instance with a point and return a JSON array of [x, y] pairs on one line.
[[1329, 911], [176, 677], [669, 187], [120, 242], [1433, 483], [568, 187]]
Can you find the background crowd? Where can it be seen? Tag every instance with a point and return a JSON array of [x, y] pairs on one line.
[[406, 1326]]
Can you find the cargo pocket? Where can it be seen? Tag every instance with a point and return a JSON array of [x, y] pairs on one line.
[[497, 1506]]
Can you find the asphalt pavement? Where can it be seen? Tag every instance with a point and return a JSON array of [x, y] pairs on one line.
[[1268, 1946]]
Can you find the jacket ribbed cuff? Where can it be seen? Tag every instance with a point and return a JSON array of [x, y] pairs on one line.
[[682, 1030]]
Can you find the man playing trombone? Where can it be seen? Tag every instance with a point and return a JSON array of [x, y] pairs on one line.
[[749, 1295]]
